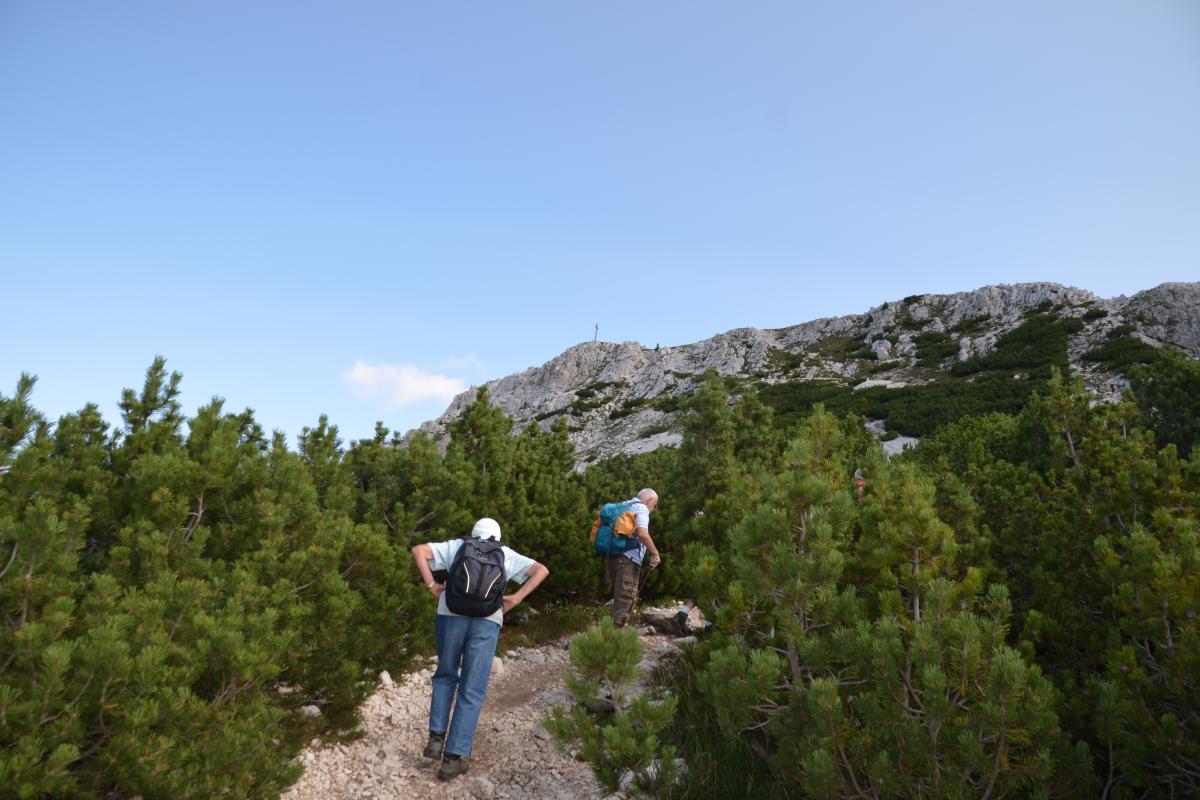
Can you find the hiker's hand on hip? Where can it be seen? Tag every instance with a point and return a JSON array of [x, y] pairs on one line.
[[437, 588], [510, 602]]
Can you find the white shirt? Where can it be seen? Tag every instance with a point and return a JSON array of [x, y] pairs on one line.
[[643, 521], [516, 568]]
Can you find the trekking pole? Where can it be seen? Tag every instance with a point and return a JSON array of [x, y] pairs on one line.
[[644, 578], [642, 581]]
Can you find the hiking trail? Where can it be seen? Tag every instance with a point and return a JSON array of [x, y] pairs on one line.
[[515, 757]]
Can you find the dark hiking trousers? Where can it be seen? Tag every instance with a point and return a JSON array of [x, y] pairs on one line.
[[624, 575]]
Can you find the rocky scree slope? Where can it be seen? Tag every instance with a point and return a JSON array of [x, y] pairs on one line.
[[626, 398]]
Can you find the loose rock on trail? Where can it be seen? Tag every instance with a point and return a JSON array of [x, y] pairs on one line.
[[515, 757]]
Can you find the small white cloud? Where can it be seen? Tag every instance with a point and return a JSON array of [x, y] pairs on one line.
[[400, 384], [456, 363]]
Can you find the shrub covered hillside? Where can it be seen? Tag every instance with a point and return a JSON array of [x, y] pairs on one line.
[[175, 592], [1008, 611]]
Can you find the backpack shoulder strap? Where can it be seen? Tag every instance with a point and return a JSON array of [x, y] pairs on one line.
[[463, 543]]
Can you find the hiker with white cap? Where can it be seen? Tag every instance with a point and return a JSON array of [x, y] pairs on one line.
[[471, 607]]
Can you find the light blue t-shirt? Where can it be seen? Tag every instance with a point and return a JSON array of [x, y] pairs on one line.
[[643, 521], [516, 567]]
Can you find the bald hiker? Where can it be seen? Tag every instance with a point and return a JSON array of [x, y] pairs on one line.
[[621, 534]]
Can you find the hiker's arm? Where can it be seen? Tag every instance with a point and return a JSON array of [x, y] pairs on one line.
[[423, 554], [655, 558], [537, 574]]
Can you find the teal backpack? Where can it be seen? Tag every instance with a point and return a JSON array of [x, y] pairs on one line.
[[614, 532]]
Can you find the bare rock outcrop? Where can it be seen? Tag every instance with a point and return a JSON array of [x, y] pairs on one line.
[[625, 398], [1168, 313]]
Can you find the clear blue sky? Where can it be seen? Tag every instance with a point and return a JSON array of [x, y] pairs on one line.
[[353, 208]]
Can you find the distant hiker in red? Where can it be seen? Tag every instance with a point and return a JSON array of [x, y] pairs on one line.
[[471, 607], [625, 570], [858, 484]]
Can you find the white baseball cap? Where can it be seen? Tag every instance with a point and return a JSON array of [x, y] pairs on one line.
[[486, 528]]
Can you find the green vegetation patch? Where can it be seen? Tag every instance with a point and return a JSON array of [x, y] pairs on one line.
[[919, 410], [780, 360], [912, 410], [654, 430], [1037, 345], [531, 627], [1121, 330], [838, 346], [796, 398], [672, 403], [844, 348], [934, 348], [592, 389], [1044, 307], [591, 397], [734, 383], [1121, 352], [583, 406], [878, 367], [628, 407], [968, 326]]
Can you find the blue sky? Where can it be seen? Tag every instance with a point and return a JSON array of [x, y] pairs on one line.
[[357, 208]]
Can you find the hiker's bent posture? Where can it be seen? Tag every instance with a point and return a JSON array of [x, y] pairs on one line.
[[625, 570], [471, 607]]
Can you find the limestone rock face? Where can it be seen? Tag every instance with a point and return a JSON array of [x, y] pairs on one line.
[[1168, 313], [625, 398], [1003, 304]]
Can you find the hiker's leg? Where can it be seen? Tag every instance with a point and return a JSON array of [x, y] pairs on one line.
[[472, 686], [625, 589], [635, 584], [631, 575], [451, 635]]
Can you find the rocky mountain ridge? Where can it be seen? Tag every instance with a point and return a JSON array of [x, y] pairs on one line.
[[626, 398]]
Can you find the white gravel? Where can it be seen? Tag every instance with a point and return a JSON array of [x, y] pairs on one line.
[[514, 755]]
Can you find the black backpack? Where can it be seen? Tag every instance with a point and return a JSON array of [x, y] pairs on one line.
[[475, 585]]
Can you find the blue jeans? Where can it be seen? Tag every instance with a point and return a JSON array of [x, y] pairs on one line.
[[465, 648]]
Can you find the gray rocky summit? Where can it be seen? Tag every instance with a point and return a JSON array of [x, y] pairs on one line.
[[625, 398]]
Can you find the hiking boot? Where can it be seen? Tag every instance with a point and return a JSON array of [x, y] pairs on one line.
[[433, 748], [452, 766]]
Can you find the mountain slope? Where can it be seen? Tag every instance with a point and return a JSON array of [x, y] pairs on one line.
[[625, 398]]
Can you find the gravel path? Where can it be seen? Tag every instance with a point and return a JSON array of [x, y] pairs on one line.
[[515, 757]]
